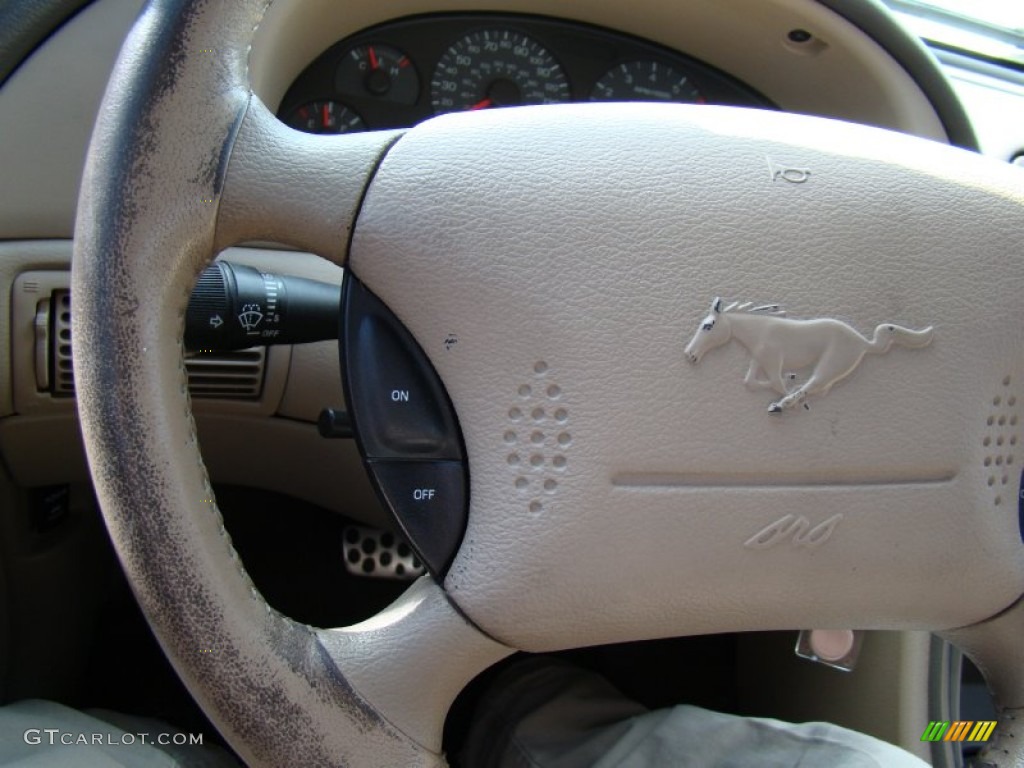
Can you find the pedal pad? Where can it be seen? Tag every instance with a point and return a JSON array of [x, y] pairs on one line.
[[836, 648], [379, 554]]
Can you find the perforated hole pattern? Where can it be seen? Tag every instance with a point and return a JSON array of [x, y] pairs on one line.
[[1001, 441], [538, 438]]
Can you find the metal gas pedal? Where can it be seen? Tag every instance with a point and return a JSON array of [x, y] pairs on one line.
[[379, 554]]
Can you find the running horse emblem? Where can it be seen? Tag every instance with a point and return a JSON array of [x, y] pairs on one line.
[[779, 345]]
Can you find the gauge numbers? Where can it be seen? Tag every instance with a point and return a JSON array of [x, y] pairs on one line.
[[645, 81], [496, 68], [325, 116]]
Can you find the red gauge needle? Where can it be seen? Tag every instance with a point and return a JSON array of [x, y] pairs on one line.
[[374, 64], [326, 115], [482, 104]]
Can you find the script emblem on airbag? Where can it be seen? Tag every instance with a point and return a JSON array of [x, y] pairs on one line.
[[797, 530], [781, 346]]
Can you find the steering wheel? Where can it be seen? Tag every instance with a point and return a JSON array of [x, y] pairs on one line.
[[618, 490]]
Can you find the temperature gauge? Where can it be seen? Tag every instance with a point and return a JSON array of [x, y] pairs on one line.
[[379, 71], [325, 117]]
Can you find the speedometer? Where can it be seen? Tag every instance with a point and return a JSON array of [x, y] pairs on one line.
[[497, 68]]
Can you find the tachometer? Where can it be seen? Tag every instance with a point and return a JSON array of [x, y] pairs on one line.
[[645, 81], [497, 68], [325, 117]]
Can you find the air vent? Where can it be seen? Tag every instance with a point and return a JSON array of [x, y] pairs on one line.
[[219, 375], [62, 382], [211, 375]]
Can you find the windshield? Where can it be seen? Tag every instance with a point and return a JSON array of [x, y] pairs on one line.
[[993, 29]]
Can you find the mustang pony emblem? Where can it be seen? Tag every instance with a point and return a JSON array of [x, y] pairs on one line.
[[779, 345]]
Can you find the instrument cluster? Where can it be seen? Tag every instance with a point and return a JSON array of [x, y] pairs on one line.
[[401, 73]]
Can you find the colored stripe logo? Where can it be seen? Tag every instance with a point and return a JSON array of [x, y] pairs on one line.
[[959, 730]]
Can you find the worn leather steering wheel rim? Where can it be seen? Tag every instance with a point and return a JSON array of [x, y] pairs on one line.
[[274, 691], [186, 161]]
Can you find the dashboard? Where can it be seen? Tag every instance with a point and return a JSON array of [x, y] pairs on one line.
[[400, 73]]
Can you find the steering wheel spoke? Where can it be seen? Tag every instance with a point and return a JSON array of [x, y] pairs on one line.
[[414, 659], [295, 188]]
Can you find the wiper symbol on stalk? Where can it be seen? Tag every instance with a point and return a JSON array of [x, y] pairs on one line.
[[250, 317]]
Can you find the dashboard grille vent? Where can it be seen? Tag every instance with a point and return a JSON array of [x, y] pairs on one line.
[[211, 375], [63, 377], [227, 374]]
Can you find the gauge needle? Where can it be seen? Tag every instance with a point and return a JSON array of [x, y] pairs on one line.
[[373, 58], [326, 115], [482, 104]]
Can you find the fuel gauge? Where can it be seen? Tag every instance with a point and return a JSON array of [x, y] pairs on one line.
[[325, 116], [379, 71]]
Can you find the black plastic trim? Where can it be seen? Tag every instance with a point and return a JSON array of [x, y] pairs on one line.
[[434, 456]]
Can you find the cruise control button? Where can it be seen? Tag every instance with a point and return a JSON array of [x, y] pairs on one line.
[[398, 406], [428, 499]]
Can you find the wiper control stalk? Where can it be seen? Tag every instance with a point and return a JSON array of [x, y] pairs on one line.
[[234, 306]]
